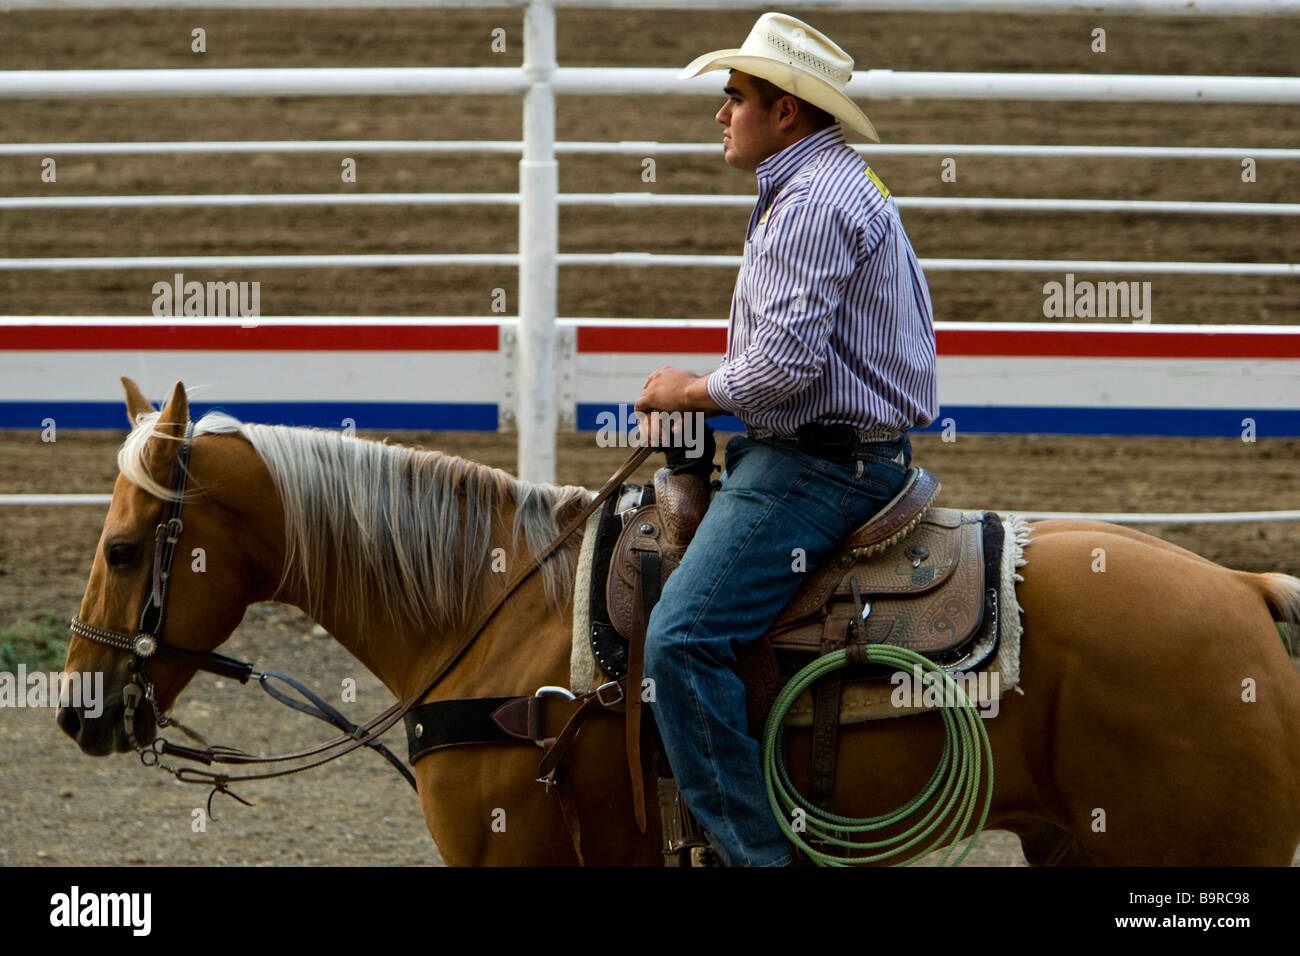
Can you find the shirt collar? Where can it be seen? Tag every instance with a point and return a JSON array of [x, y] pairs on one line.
[[775, 171]]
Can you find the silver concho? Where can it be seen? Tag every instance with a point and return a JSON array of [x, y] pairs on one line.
[[144, 646]]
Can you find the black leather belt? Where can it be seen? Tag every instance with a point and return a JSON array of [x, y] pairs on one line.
[[833, 441]]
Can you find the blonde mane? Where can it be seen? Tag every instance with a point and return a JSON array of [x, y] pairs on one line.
[[410, 530]]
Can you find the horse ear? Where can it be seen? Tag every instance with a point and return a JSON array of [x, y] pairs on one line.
[[175, 414], [162, 449], [136, 403]]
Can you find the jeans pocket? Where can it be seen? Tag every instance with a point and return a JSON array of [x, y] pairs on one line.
[[875, 482]]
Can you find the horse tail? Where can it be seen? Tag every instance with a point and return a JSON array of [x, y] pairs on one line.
[[1282, 594]]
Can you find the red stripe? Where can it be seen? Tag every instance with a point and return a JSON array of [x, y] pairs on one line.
[[268, 338], [1056, 343], [1138, 344], [663, 338], [1190, 344]]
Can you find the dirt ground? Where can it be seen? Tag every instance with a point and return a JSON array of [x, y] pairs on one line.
[[60, 807]]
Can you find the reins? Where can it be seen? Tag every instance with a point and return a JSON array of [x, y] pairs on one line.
[[146, 643]]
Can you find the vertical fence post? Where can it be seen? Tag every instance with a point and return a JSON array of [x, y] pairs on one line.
[[538, 246]]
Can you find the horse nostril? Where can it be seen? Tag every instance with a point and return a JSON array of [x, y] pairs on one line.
[[70, 721]]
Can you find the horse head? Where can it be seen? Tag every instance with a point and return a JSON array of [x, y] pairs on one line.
[[194, 605]]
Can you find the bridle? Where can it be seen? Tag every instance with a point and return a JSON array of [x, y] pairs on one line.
[[146, 641], [146, 644]]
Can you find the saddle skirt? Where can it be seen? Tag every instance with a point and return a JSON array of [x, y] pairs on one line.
[[933, 580]]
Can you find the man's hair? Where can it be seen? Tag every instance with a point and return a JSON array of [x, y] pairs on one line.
[[769, 93]]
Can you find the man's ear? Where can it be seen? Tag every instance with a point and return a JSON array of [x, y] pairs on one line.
[[788, 113]]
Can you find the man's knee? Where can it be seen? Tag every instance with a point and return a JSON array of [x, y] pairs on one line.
[[674, 643]]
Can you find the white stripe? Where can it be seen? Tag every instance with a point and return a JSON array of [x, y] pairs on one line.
[[254, 376], [1119, 382]]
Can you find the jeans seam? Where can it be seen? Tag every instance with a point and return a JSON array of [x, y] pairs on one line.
[[709, 753], [719, 789]]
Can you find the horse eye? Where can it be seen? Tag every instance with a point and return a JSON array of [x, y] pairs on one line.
[[121, 554]]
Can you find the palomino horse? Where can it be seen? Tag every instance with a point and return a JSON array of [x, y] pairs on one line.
[[1159, 721]]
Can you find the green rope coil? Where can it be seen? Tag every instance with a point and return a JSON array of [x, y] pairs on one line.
[[952, 790]]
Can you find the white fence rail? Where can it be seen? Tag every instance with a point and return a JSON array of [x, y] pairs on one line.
[[644, 81], [641, 200], [625, 147], [640, 259]]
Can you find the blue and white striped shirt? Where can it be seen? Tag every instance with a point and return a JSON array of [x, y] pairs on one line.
[[831, 318]]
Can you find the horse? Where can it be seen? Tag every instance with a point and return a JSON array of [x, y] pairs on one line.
[[1159, 722]]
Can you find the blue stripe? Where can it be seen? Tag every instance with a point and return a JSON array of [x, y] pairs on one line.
[[967, 419], [1044, 420], [1173, 422], [418, 416], [587, 412]]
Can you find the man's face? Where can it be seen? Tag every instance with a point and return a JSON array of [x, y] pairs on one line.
[[750, 134]]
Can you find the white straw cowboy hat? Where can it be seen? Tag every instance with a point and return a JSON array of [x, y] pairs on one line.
[[800, 60]]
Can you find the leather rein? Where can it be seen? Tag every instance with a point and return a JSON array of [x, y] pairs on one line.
[[146, 643]]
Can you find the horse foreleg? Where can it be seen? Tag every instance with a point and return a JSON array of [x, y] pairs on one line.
[[484, 807]]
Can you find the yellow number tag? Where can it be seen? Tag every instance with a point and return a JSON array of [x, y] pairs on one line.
[[871, 174]]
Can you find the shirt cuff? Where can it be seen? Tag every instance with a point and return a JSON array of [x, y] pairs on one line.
[[716, 386]]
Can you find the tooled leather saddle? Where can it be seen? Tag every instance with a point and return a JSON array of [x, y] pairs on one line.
[[915, 576], [919, 572]]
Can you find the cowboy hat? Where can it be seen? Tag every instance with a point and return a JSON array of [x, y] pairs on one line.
[[798, 59]]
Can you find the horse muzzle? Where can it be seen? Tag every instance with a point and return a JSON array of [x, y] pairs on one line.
[[106, 733]]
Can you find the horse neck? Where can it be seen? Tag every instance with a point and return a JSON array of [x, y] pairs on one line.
[[524, 646], [405, 655]]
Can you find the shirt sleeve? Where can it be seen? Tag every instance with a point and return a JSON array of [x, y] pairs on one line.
[[795, 290]]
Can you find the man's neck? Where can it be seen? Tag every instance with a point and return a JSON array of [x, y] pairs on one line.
[[780, 165]]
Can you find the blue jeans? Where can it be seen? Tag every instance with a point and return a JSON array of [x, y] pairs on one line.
[[738, 574]]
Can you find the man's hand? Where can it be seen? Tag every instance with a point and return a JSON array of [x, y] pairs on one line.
[[671, 389]]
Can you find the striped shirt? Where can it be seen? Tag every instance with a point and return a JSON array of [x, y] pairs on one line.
[[831, 319]]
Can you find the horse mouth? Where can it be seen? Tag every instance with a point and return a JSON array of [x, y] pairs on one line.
[[105, 734]]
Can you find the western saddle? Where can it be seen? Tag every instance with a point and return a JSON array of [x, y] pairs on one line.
[[915, 576]]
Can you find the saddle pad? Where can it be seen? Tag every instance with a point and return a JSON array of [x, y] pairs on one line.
[[583, 669], [860, 700]]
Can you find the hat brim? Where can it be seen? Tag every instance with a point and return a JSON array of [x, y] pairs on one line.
[[797, 82]]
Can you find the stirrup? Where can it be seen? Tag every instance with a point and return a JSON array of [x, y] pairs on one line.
[[684, 841]]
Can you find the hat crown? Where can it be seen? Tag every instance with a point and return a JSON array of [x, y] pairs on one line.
[[782, 37], [794, 57]]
